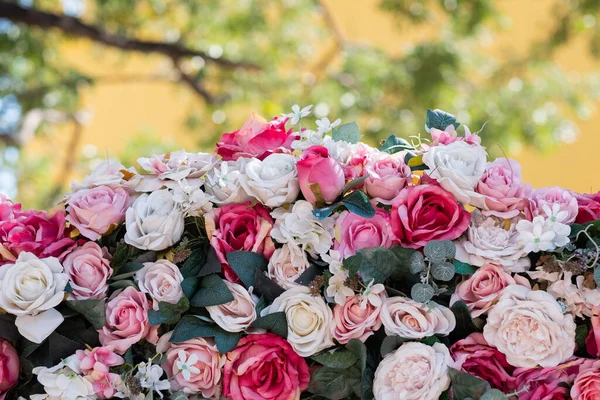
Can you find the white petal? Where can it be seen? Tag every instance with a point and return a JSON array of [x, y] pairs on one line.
[[36, 328]]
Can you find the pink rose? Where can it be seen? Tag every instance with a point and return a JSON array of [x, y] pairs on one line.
[[161, 280], [8, 209], [98, 355], [104, 382], [445, 137], [9, 367], [553, 202], [318, 171], [547, 383], [239, 227], [127, 321], [208, 361], [264, 367], [88, 269], [592, 342], [427, 212], [502, 186], [587, 384], [354, 320], [354, 232], [476, 357], [589, 207], [256, 138], [481, 290], [387, 176], [98, 211]]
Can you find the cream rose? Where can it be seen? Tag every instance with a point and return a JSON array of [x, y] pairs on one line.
[[415, 371], [286, 265], [272, 181], [309, 320], [30, 289], [154, 222], [409, 319], [530, 328], [223, 183], [237, 315], [161, 280]]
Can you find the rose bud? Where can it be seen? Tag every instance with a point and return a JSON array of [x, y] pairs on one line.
[[317, 168]]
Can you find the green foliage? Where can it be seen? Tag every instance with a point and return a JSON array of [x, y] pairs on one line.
[[463, 268], [212, 292], [275, 322], [92, 310], [379, 264], [440, 120], [349, 132], [339, 358], [422, 292], [245, 264], [190, 327], [168, 313]]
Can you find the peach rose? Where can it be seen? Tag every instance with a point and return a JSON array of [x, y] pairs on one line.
[[237, 315], [354, 320], [587, 383], [286, 265], [88, 269], [409, 319], [161, 280]]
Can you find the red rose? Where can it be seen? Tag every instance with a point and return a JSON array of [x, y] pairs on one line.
[[9, 367], [476, 357], [264, 367], [589, 207], [316, 167], [256, 138], [239, 227], [427, 212]]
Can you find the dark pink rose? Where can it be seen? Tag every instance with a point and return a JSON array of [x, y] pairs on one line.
[[9, 367], [587, 384], [589, 207], [552, 202], [545, 383], [592, 342], [88, 269], [264, 367], [387, 176], [356, 319], [8, 209], [354, 232], [504, 191], [476, 357], [239, 227], [316, 169], [427, 212], [256, 138]]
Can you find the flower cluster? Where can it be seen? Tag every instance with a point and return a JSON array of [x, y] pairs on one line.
[[299, 263]]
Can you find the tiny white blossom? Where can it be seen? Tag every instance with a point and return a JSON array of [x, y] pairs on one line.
[[334, 259], [326, 126], [187, 365], [149, 376], [555, 214], [308, 138], [297, 114], [337, 288], [542, 234], [372, 295]]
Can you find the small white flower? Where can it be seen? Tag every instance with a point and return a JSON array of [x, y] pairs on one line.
[[187, 366], [149, 376], [334, 259], [554, 213], [297, 114], [372, 294], [326, 126], [64, 383], [542, 234], [192, 200], [309, 138], [337, 288]]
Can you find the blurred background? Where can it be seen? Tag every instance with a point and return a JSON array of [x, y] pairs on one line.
[[83, 80]]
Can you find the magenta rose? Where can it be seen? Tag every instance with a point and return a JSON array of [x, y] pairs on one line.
[[476, 357], [239, 227], [551, 201], [9, 367], [264, 367], [318, 171], [592, 342], [127, 321], [587, 384], [98, 211], [503, 190], [88, 269], [354, 232], [256, 138], [427, 212], [354, 320], [547, 383], [589, 207], [8, 209], [387, 176]]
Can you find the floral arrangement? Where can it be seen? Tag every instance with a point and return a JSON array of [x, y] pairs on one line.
[[304, 264]]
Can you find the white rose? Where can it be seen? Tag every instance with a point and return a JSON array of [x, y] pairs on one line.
[[415, 371], [458, 167], [490, 240], [107, 173], [409, 319], [192, 200], [286, 265], [161, 280], [223, 182], [154, 222], [530, 328], [309, 320], [30, 289], [272, 181], [237, 315]]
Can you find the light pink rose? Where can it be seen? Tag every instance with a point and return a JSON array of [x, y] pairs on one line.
[[286, 265], [547, 383], [88, 269], [502, 186], [237, 315], [481, 290], [592, 342], [589, 207], [127, 321], [587, 384], [387, 176], [102, 355], [104, 382], [9, 367], [354, 232], [208, 362], [354, 320], [161, 280], [410, 319], [167, 169], [445, 136], [97, 211], [553, 202], [317, 168]]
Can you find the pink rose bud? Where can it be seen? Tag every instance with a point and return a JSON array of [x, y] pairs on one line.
[[9, 367], [589, 207], [315, 167], [592, 343]]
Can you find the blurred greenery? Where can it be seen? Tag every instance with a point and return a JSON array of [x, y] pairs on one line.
[[302, 57]]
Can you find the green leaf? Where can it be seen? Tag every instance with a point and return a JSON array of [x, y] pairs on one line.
[[464, 323], [466, 386], [463, 268], [430, 340], [193, 264], [212, 292], [168, 312], [422, 292], [226, 341], [333, 383], [212, 264], [127, 270], [347, 133], [439, 250], [416, 263], [442, 271], [404, 256], [309, 275], [581, 333], [191, 327], [440, 120], [178, 396], [340, 358], [354, 183], [378, 264], [353, 263], [275, 322], [390, 344], [493, 394], [189, 286], [245, 264], [92, 310], [368, 359], [322, 213], [597, 275], [394, 144], [267, 287], [358, 203]]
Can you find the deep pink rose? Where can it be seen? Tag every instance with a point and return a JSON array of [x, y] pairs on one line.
[[587, 384], [256, 138], [552, 200], [264, 367], [545, 383], [9, 367], [427, 212], [127, 321], [504, 191], [354, 232], [317, 168], [589, 207], [239, 227], [592, 342], [98, 211], [387, 176], [354, 320], [476, 357], [8, 209], [88, 269]]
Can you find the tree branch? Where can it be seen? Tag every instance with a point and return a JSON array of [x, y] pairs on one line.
[[195, 85], [75, 27]]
